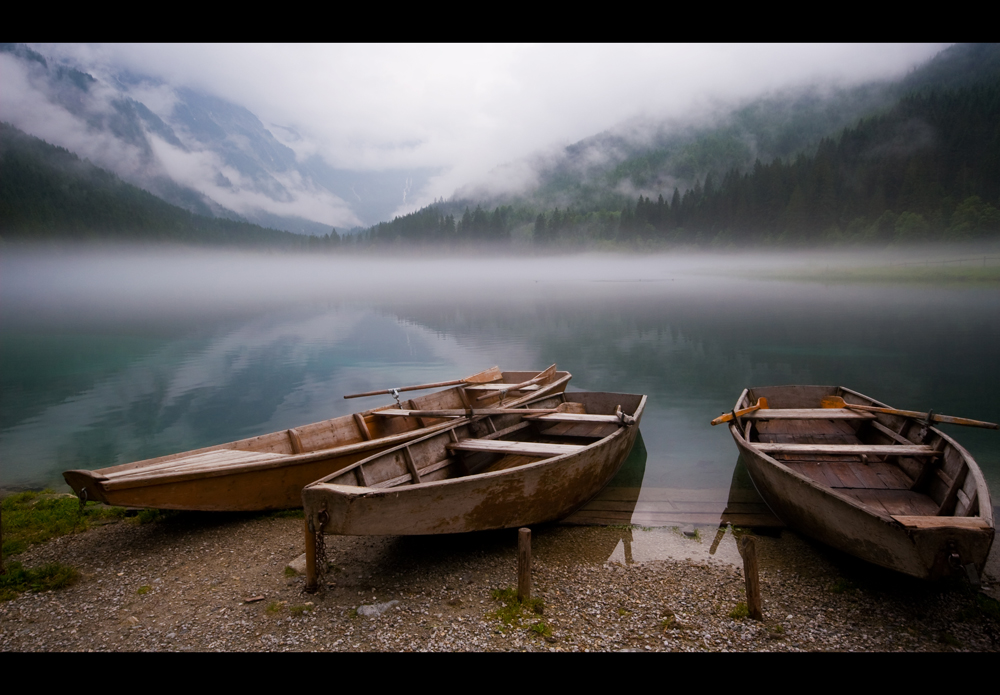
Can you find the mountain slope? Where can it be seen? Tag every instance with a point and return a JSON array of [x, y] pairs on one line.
[[47, 192], [195, 150]]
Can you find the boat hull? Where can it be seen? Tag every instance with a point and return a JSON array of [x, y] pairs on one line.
[[928, 547], [268, 472], [528, 494]]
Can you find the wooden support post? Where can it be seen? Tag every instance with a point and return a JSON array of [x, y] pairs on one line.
[[748, 547], [311, 584], [524, 565]]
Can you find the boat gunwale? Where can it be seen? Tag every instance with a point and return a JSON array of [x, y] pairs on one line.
[[363, 491]]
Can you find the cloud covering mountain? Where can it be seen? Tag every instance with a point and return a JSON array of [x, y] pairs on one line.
[[195, 150], [309, 137]]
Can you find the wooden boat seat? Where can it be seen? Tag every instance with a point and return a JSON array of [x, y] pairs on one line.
[[808, 414], [849, 449], [576, 417], [500, 387], [495, 446], [943, 521]]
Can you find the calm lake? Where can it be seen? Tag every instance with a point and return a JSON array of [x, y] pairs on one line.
[[108, 357]]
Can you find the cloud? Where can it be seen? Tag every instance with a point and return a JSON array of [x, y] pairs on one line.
[[471, 110], [201, 169]]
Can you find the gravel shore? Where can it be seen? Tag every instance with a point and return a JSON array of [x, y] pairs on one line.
[[202, 582]]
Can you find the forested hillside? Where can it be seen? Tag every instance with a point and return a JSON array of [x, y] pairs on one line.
[[47, 192], [924, 165]]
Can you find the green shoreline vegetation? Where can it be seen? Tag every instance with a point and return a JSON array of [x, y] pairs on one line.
[[37, 516], [31, 518]]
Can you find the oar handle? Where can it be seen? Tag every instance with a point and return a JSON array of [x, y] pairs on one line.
[[420, 387], [934, 417], [726, 417], [484, 377], [838, 402]]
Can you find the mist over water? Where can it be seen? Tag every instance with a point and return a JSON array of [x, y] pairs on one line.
[[111, 356]]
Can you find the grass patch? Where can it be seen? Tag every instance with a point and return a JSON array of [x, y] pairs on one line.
[[670, 621], [144, 589], [629, 527], [149, 516], [274, 606], [740, 611], [289, 572], [842, 586], [299, 610], [48, 577], [35, 517], [950, 640], [511, 611], [981, 607], [541, 628], [287, 514]]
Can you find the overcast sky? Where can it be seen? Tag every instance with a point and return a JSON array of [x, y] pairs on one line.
[[469, 108]]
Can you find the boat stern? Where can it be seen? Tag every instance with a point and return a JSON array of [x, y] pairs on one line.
[[87, 485]]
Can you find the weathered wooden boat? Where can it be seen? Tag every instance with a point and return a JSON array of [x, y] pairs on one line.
[[881, 484], [493, 472], [269, 471]]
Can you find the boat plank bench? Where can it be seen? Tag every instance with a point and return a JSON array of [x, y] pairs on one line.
[[974, 522], [808, 414], [501, 387], [850, 449], [494, 446], [576, 417]]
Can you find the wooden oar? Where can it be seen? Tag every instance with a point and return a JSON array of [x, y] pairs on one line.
[[459, 412], [484, 377], [838, 402], [542, 376], [761, 403]]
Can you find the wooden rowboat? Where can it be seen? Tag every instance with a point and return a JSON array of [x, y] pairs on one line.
[[884, 486], [269, 471], [494, 472]]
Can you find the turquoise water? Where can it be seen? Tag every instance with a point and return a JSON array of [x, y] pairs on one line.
[[108, 357]]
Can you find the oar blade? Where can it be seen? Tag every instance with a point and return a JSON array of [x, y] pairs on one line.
[[485, 377]]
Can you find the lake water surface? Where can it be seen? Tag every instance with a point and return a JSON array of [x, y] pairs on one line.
[[108, 357]]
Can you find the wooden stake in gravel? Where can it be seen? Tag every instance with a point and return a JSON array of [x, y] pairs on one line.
[[524, 564], [748, 548], [312, 585]]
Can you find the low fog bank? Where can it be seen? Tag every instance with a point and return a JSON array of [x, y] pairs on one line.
[[65, 286]]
